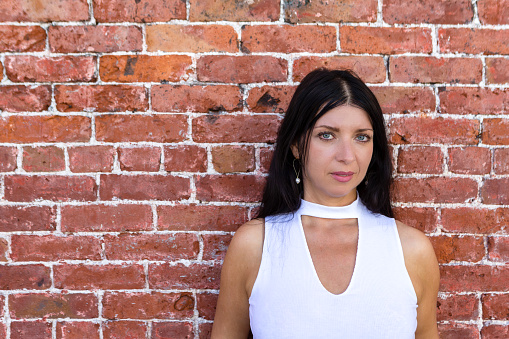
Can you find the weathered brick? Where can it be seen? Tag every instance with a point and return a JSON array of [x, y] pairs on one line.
[[31, 329], [420, 159], [145, 68], [34, 277], [458, 248], [453, 330], [473, 100], [124, 329], [136, 128], [68, 68], [91, 158], [104, 98], [495, 331], [457, 307], [501, 161], [495, 191], [242, 188], [385, 40], [424, 130], [8, 158], [495, 131], [3, 330], [241, 69], [138, 10], [498, 249], [475, 220], [144, 187], [239, 128], [50, 187], [469, 160], [206, 305], [405, 99], [428, 11], [201, 218], [145, 159], [185, 158], [215, 246], [91, 277], [231, 10], [106, 218], [179, 276], [205, 330], [497, 70], [422, 218], [54, 128], [495, 12], [27, 218], [22, 38], [24, 98], [435, 189], [495, 306], [192, 39], [124, 305], [100, 39], [43, 159], [4, 249], [77, 330], [203, 99], [370, 69], [54, 248], [59, 10], [233, 158], [151, 246], [270, 99], [299, 11], [266, 154], [288, 39], [473, 41], [474, 278], [53, 305], [420, 69], [168, 330]]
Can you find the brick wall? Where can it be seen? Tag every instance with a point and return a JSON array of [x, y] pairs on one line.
[[135, 136]]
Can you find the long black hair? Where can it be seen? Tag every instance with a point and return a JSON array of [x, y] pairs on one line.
[[319, 92]]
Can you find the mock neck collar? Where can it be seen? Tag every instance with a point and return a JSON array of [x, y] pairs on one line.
[[351, 211]]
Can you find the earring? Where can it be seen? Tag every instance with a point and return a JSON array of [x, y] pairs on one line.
[[297, 179]]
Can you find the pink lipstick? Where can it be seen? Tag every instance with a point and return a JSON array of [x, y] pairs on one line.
[[343, 176]]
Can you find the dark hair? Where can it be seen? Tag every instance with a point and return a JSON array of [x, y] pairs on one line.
[[319, 92]]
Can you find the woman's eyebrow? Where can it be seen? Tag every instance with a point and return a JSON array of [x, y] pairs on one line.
[[334, 129]]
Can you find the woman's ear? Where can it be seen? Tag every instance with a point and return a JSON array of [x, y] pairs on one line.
[[295, 150]]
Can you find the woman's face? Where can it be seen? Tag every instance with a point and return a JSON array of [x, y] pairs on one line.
[[340, 150]]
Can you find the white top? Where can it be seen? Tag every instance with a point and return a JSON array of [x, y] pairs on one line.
[[289, 301]]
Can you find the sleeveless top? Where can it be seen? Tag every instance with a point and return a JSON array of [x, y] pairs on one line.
[[289, 301]]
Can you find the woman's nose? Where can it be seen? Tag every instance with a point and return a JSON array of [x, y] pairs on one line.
[[345, 152]]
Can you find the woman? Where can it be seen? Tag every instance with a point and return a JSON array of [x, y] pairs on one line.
[[324, 258]]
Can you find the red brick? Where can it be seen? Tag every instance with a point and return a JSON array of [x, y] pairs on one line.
[[53, 305], [239, 128], [474, 278], [146, 159], [8, 158], [138, 10], [435, 189], [370, 69], [106, 218], [3, 331], [495, 306], [22, 38], [170, 330], [200, 276], [203, 99], [425, 130], [420, 69], [495, 331], [60, 10], [43, 159], [215, 246], [475, 220], [498, 249], [495, 191], [192, 39], [91, 277], [422, 218], [136, 128], [405, 99], [428, 11], [24, 98], [91, 158], [123, 305], [104, 98], [4, 249], [495, 131], [145, 68], [205, 330], [495, 12], [233, 158], [242, 188], [473, 101], [54, 248], [300, 11], [77, 330], [469, 160], [144, 187], [501, 162], [151, 246], [420, 159], [241, 69], [50, 187], [185, 158], [101, 39], [23, 68], [231, 10], [458, 330], [288, 39], [458, 248], [457, 307], [385, 40], [33, 277], [28, 129], [270, 99], [31, 329], [124, 330], [201, 218], [497, 70], [206, 305], [265, 158], [27, 218], [473, 41]]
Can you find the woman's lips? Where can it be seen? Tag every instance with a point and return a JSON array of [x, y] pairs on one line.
[[343, 176]]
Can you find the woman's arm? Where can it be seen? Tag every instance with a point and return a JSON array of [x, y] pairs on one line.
[[240, 268]]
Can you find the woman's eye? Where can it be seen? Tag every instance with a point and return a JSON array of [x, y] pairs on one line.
[[325, 136], [363, 137]]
